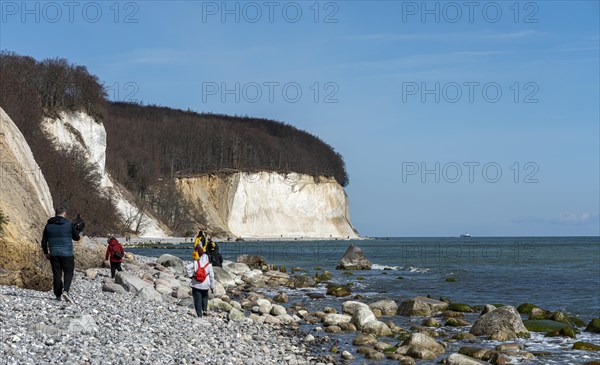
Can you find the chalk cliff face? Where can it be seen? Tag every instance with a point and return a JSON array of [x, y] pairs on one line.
[[78, 129], [272, 205], [24, 194]]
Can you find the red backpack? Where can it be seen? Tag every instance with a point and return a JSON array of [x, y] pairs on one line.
[[201, 272]]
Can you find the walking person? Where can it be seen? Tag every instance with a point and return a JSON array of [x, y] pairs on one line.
[[79, 224], [115, 253], [203, 278], [57, 244], [200, 240]]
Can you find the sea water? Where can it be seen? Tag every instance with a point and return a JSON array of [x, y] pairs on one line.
[[554, 273]]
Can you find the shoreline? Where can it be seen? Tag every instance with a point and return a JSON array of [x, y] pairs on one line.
[[318, 335]]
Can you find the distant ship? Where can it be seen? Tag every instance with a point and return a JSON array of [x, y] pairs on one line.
[[465, 235]]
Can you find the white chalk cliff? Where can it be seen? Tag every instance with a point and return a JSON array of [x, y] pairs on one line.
[[24, 195], [271, 205], [78, 129]]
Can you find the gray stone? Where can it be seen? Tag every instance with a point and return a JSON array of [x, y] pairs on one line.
[[237, 268], [130, 282], [387, 307], [421, 307], [336, 319], [504, 322], [171, 261], [113, 288], [350, 307], [421, 346], [278, 310], [224, 277], [354, 259], [235, 315], [361, 317], [148, 293], [458, 359]]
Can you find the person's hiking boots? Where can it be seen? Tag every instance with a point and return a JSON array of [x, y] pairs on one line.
[[67, 298]]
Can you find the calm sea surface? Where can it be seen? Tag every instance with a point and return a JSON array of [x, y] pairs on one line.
[[555, 273]]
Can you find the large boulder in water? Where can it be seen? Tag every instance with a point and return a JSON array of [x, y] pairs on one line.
[[501, 324], [251, 260], [354, 259]]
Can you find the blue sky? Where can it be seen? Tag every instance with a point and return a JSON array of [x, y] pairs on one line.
[[451, 118]]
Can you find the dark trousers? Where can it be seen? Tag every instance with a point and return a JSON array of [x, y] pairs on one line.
[[114, 267], [200, 301], [60, 265]]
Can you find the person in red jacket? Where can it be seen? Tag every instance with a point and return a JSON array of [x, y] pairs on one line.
[[114, 253]]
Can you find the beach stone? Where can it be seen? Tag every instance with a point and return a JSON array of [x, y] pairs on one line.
[[373, 354], [354, 259], [593, 326], [84, 324], [237, 268], [148, 293], [335, 319], [504, 347], [361, 317], [347, 326], [431, 322], [347, 356], [387, 307], [338, 290], [278, 310], [377, 328], [301, 281], [309, 338], [539, 314], [350, 307], [486, 309], [254, 278], [458, 359], [504, 322], [276, 278], [131, 282], [414, 308], [223, 277], [113, 288], [461, 307], [235, 315], [456, 322], [544, 325], [164, 289], [364, 340], [251, 260], [526, 308], [585, 346], [91, 273], [281, 298], [271, 319], [333, 329], [171, 261], [218, 291], [181, 292], [421, 346]]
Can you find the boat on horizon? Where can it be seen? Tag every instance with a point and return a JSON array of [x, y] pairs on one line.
[[465, 235]]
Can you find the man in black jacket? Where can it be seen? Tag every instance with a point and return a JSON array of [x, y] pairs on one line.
[[57, 243]]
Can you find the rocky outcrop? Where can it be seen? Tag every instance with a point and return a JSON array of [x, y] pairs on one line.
[[270, 204], [501, 324], [421, 307], [354, 259]]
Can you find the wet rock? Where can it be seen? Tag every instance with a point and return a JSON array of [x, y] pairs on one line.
[[457, 322], [354, 259], [350, 307], [593, 326], [252, 260], [430, 322], [461, 307], [301, 281], [336, 319], [347, 356], [361, 317], [585, 346], [526, 308], [364, 340], [504, 322], [338, 290], [387, 307], [281, 298], [458, 359], [544, 325], [421, 346], [376, 328], [421, 307]]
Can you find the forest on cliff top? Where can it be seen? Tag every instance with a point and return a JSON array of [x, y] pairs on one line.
[[148, 146]]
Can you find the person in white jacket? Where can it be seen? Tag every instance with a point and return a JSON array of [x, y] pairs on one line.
[[200, 289]]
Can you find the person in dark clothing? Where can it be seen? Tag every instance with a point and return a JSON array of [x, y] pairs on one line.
[[216, 259], [79, 224], [115, 253], [57, 244]]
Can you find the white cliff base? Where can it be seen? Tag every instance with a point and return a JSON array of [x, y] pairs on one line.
[[271, 205], [78, 129], [24, 195]]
